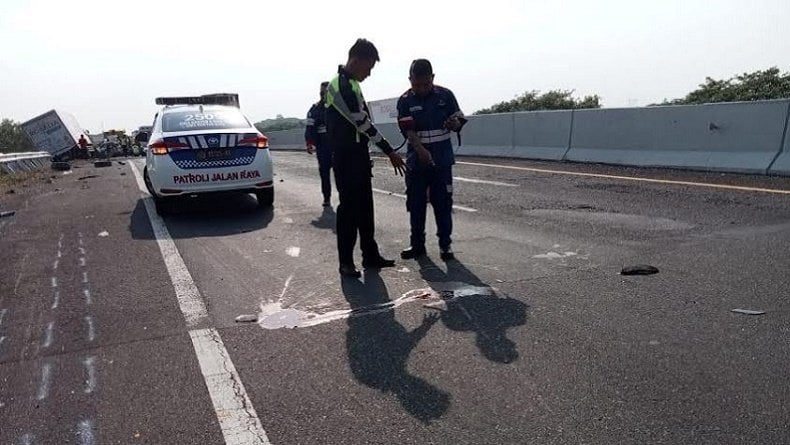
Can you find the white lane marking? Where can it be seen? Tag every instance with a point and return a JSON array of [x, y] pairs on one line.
[[56, 299], [60, 254], [104, 234], [399, 195], [2, 315], [54, 282], [26, 439], [85, 432], [293, 251], [87, 293], [48, 334], [82, 250], [236, 416], [2, 339], [483, 181], [60, 244], [80, 241], [631, 178], [189, 299], [82, 261], [55, 265], [85, 277], [91, 330], [79, 234], [90, 384], [46, 377]]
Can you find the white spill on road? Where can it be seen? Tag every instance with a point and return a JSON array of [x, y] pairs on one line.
[[274, 316], [90, 384], [46, 377], [26, 439], [48, 334], [104, 234], [293, 251], [233, 408]]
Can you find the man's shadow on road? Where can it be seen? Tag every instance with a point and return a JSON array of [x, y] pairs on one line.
[[327, 220], [475, 307], [379, 346]]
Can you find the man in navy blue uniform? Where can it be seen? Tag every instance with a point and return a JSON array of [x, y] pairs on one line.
[[427, 116], [316, 142]]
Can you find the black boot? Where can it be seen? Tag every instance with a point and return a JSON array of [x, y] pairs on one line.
[[412, 253], [349, 271], [378, 263]]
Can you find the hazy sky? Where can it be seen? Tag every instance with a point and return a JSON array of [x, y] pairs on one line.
[[105, 61]]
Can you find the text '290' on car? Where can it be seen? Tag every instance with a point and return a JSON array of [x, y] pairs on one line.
[[202, 145]]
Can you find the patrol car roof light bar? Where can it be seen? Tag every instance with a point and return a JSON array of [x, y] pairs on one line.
[[229, 99]]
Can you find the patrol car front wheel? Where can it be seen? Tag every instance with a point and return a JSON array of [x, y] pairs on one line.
[[265, 197]]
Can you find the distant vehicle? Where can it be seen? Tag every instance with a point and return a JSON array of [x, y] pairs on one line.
[[204, 144], [55, 132]]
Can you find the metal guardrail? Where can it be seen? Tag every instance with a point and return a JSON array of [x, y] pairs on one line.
[[12, 163]]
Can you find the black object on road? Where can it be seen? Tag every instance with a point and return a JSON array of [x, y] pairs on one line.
[[640, 269]]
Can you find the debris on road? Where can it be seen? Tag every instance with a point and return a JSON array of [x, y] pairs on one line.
[[122, 163], [123, 173], [104, 234], [247, 318], [82, 178], [640, 269], [102, 164], [67, 172], [7, 213], [10, 192], [747, 312]]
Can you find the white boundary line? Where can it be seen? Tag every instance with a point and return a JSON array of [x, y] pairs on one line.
[[237, 418], [631, 178], [483, 181], [400, 195]]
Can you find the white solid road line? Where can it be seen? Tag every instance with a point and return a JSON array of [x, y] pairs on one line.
[[400, 195], [631, 178], [237, 417], [483, 181]]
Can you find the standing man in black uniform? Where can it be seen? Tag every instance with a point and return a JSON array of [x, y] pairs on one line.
[[315, 140], [349, 130]]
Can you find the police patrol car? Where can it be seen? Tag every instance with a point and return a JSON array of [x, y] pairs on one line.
[[205, 144]]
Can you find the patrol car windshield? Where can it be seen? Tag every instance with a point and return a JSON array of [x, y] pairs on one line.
[[209, 119]]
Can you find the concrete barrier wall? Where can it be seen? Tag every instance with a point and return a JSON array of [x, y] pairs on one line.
[[781, 165], [740, 137]]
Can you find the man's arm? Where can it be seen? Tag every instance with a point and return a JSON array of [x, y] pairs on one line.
[[360, 118], [310, 132], [408, 128]]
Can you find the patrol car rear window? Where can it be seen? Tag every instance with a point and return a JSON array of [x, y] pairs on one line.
[[207, 120]]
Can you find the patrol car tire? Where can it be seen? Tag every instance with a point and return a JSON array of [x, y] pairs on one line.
[[265, 197]]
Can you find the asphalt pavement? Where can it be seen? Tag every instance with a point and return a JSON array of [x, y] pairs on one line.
[[112, 319]]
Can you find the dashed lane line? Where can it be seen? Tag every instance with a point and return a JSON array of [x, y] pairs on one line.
[[237, 418], [400, 195]]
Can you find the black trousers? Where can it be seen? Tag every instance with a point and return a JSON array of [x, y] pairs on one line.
[[324, 155], [355, 213]]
